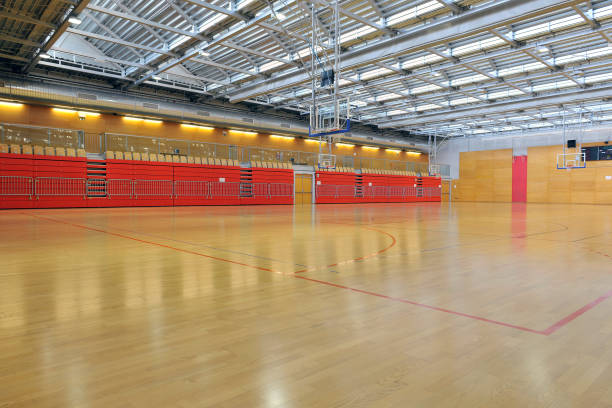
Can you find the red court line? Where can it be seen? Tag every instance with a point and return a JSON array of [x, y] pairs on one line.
[[577, 313], [156, 244], [410, 302], [361, 258]]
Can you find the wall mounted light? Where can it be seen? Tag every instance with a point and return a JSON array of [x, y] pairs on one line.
[[8, 104], [191, 126]]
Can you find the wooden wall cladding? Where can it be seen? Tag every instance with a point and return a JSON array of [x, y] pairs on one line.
[[547, 184], [484, 176]]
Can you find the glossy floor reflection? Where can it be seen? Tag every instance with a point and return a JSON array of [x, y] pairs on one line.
[[381, 305]]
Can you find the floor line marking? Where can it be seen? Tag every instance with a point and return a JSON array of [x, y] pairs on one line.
[[361, 258], [572, 316], [198, 245], [422, 305], [158, 244]]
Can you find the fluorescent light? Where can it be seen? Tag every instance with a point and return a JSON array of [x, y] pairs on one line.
[[44, 55], [204, 53], [152, 121], [89, 113], [542, 49], [190, 126], [370, 147], [64, 110], [74, 20], [280, 16], [312, 141], [11, 104], [394, 150], [345, 144], [132, 119], [281, 137], [156, 77], [414, 153], [244, 132]]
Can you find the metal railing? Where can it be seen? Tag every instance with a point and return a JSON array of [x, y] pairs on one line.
[[346, 191], [272, 189], [60, 186], [16, 186], [127, 188], [153, 188]]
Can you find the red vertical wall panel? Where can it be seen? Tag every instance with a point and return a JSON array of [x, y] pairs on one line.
[[519, 179]]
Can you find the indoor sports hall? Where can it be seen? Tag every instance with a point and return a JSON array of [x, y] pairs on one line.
[[287, 204]]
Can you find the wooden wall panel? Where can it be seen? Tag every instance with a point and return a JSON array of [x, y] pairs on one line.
[[484, 176], [487, 176], [547, 184]]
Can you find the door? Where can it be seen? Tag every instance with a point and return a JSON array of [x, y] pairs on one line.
[[303, 189]]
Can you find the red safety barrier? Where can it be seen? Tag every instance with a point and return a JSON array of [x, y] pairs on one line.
[[326, 192], [16, 191]]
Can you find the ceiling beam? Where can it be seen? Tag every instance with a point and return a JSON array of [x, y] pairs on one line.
[[143, 21], [531, 102], [449, 4], [17, 16], [218, 9], [57, 33], [467, 24], [117, 41], [194, 52]]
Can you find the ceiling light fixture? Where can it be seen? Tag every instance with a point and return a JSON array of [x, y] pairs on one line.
[[74, 20]]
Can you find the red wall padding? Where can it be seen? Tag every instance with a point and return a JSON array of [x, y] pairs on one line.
[[519, 179]]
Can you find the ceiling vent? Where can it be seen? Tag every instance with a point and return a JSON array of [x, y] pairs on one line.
[[148, 105], [203, 113], [88, 96], [248, 120]]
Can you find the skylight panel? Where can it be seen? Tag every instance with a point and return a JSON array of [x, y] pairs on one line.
[[468, 79], [599, 78], [425, 88], [211, 22], [479, 45], [504, 94], [414, 12], [355, 34], [553, 85], [551, 26], [375, 73], [424, 60], [270, 65], [463, 101], [603, 12], [428, 106], [245, 3]]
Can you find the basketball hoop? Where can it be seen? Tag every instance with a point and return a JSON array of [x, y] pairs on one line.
[[327, 161], [569, 161]]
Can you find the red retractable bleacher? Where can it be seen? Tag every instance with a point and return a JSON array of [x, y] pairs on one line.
[[16, 180]]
